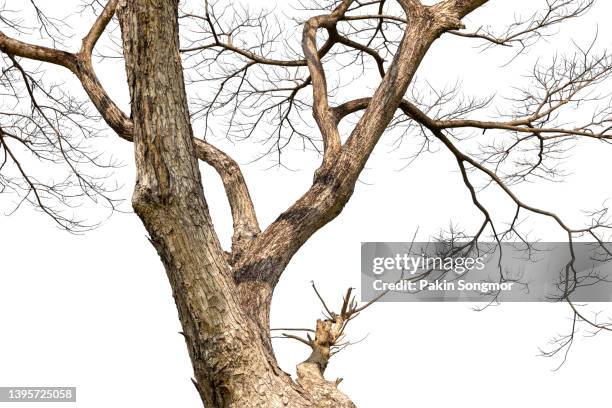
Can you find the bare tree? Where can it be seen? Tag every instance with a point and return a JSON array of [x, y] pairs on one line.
[[223, 298]]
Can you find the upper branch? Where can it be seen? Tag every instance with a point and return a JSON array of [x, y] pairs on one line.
[[321, 109], [243, 212], [96, 30], [526, 31], [267, 256], [459, 8]]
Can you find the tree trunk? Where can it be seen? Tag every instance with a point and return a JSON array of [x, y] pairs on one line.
[[224, 312], [233, 367], [224, 302]]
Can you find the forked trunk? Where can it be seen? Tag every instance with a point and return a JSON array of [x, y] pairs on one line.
[[232, 365], [224, 311]]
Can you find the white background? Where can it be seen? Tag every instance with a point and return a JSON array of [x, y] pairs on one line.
[[95, 311]]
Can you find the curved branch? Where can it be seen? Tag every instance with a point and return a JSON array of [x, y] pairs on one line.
[[246, 226], [321, 111], [243, 211], [96, 30], [18, 48], [263, 262]]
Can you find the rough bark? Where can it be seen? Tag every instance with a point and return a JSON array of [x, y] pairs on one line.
[[224, 304], [260, 268], [231, 366]]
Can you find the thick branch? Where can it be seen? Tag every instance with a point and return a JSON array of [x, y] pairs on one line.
[[246, 226], [18, 48], [259, 269], [459, 8]]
